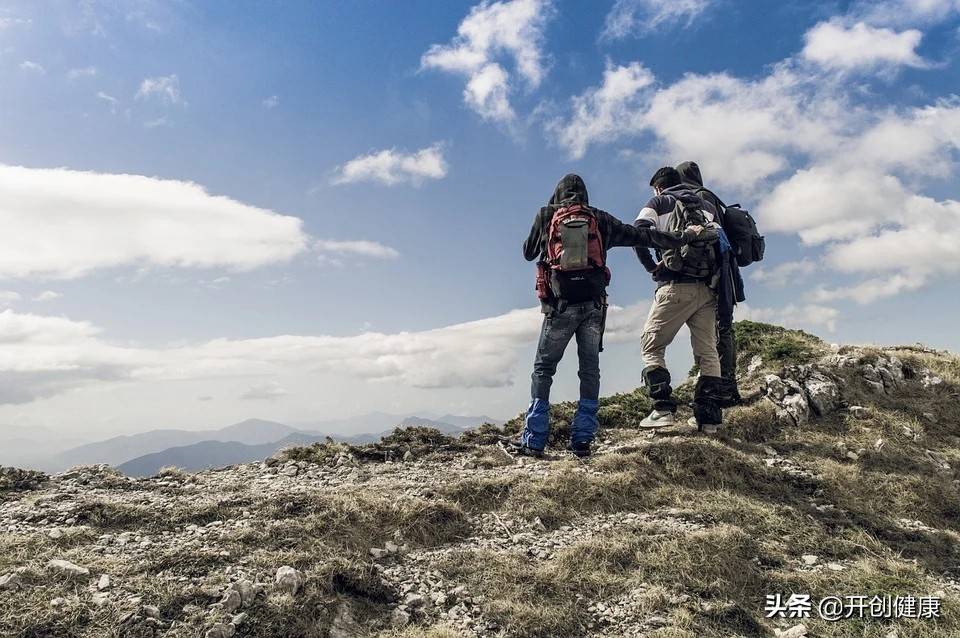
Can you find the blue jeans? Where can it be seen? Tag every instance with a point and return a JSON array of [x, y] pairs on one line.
[[585, 320]]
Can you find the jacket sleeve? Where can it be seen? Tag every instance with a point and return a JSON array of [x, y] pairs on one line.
[[533, 246], [641, 234]]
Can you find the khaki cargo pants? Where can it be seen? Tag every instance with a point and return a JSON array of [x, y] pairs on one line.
[[674, 305]]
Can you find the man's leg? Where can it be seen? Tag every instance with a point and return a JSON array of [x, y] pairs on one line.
[[727, 351], [667, 315], [584, 426], [703, 337], [555, 334]]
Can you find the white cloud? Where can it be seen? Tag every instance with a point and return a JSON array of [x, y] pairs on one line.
[[266, 392], [158, 122], [109, 99], [390, 167], [810, 317], [85, 72], [165, 88], [330, 251], [491, 32], [6, 22], [834, 45], [32, 67], [606, 112], [44, 356], [635, 17], [48, 295], [905, 12], [789, 272], [271, 102], [871, 290], [62, 223]]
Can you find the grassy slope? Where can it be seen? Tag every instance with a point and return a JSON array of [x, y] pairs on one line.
[[725, 522]]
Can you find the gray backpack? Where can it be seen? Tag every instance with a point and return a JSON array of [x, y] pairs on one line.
[[697, 259]]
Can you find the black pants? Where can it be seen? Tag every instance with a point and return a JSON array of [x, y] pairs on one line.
[[727, 349]]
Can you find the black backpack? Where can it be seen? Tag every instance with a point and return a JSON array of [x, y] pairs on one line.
[[741, 229]]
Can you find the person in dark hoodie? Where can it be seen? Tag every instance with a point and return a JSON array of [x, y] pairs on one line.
[[564, 318], [730, 290], [681, 298]]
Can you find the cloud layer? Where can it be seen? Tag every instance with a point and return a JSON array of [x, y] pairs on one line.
[[391, 167], [61, 223]]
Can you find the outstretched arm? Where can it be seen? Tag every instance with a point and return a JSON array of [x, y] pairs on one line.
[[533, 246]]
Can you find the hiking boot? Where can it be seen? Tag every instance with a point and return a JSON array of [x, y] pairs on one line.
[[518, 448], [706, 428], [657, 419], [580, 449]]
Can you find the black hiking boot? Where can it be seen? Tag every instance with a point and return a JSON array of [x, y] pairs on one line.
[[580, 450], [519, 449]]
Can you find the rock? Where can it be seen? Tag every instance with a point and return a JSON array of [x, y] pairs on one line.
[[809, 559], [290, 470], [408, 456], [835, 567], [878, 445], [99, 599], [853, 456], [755, 364], [67, 568], [344, 624], [247, 591], [289, 580], [11, 581], [58, 602], [413, 600], [377, 552], [104, 582], [822, 394], [150, 611], [231, 601], [797, 408], [797, 631], [859, 412], [239, 619], [399, 618], [220, 630], [55, 533]]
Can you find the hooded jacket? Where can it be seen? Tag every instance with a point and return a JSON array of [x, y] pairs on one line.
[[730, 290], [572, 190]]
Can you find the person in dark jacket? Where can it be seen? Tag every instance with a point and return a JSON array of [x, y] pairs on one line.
[[681, 299], [730, 291], [563, 320]]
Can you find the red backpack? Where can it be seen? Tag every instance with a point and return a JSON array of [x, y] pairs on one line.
[[575, 269]]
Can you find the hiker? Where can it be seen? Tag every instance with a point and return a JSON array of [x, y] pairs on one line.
[[571, 239], [730, 290], [686, 280]]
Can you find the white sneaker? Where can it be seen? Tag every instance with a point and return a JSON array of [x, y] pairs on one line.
[[706, 428], [657, 419]]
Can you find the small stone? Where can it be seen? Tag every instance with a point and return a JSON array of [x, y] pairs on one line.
[[408, 456], [413, 600], [151, 612], [391, 547], [239, 619], [99, 599], [290, 470], [10, 581], [835, 567], [878, 445], [289, 580], [67, 568], [231, 601], [797, 631], [104, 582], [55, 533], [220, 630], [809, 559], [378, 552], [58, 602], [769, 451], [858, 412], [247, 591], [853, 456], [399, 618]]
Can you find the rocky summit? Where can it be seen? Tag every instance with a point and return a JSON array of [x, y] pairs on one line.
[[839, 477]]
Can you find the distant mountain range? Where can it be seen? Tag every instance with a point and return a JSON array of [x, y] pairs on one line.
[[145, 453]]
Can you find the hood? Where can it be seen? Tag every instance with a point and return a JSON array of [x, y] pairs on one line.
[[569, 190], [690, 173], [684, 193]]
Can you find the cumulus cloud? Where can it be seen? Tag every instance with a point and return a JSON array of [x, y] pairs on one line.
[[834, 45], [905, 12], [782, 274], [164, 88], [491, 33], [391, 167], [636, 17], [871, 290], [32, 67], [62, 223], [605, 112], [47, 295], [44, 356], [271, 102], [8, 297]]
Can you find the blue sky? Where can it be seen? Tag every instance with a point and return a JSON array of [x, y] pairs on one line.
[[302, 210]]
